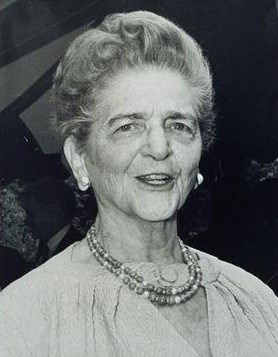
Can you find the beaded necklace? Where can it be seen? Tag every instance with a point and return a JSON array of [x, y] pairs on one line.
[[161, 294]]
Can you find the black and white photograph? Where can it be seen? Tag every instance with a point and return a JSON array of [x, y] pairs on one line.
[[139, 178]]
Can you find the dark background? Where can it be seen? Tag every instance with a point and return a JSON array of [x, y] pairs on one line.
[[234, 215]]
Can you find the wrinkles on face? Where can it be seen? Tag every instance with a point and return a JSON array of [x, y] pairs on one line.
[[145, 127]]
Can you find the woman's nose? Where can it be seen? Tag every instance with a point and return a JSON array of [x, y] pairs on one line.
[[156, 144]]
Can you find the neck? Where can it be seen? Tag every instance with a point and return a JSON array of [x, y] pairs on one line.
[[131, 239]]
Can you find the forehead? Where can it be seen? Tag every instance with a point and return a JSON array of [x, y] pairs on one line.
[[147, 89]]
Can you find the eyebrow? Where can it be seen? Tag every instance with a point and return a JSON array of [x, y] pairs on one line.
[[178, 115], [139, 116], [114, 119]]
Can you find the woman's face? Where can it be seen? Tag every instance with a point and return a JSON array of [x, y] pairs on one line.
[[144, 148]]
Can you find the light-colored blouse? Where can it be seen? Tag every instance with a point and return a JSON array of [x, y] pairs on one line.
[[71, 309]]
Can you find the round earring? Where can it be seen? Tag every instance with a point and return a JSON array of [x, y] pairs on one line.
[[84, 183], [199, 180]]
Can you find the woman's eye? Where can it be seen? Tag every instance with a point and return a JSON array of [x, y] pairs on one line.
[[179, 126], [125, 128], [131, 128], [183, 128]]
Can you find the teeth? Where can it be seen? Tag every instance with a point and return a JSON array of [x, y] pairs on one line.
[[156, 182], [156, 177]]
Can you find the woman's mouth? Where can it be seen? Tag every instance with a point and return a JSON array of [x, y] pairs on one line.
[[156, 179]]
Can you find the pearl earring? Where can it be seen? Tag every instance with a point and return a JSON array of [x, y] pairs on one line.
[[199, 180], [84, 183]]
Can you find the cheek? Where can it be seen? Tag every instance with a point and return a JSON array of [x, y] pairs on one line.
[[106, 170], [188, 158], [189, 168]]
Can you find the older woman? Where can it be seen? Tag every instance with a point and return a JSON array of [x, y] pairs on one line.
[[134, 111]]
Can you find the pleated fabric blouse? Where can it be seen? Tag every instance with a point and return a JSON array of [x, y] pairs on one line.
[[70, 309]]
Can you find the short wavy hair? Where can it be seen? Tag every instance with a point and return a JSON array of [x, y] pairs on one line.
[[126, 41]]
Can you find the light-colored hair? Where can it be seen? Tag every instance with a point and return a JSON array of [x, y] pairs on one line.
[[126, 41]]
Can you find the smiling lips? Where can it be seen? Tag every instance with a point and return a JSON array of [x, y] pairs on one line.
[[156, 179]]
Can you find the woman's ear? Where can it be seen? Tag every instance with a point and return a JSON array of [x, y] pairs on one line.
[[76, 161]]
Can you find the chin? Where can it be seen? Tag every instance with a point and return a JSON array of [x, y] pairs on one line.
[[153, 212]]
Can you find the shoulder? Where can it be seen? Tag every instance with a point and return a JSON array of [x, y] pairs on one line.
[[245, 281], [40, 297], [41, 286], [34, 305], [238, 301], [219, 269], [246, 289]]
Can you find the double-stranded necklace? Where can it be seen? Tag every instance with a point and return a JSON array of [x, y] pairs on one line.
[[163, 295]]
